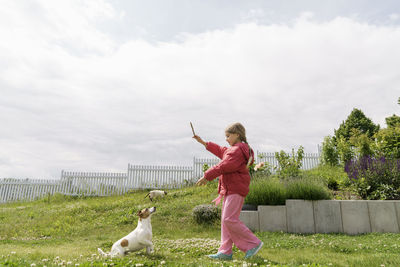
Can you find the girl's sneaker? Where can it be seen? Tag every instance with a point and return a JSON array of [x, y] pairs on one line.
[[220, 256], [253, 251]]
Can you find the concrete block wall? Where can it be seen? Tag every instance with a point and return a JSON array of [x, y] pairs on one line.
[[250, 219], [326, 216]]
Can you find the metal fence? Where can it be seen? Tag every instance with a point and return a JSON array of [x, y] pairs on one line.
[[136, 177]]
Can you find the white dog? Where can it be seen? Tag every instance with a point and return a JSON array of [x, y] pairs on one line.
[[138, 239], [156, 193]]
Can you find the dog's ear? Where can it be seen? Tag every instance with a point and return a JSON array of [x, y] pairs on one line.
[[139, 213], [165, 192]]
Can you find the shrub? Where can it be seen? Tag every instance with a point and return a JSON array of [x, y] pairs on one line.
[[267, 191], [362, 144], [272, 191], [329, 155], [261, 168], [387, 142], [206, 214], [332, 176], [375, 178], [306, 189], [345, 150], [289, 165]]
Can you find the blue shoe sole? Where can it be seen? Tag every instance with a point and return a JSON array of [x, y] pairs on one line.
[[255, 252], [220, 256]]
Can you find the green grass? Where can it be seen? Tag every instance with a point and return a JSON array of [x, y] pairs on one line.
[[271, 190], [67, 231], [328, 173], [266, 191], [305, 188]]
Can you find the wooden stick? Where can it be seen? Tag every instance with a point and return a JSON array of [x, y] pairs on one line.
[[191, 125]]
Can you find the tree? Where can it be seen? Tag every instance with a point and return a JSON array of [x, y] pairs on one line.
[[329, 154], [393, 121], [388, 142], [356, 120]]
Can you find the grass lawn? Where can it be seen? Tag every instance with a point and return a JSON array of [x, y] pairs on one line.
[[67, 231]]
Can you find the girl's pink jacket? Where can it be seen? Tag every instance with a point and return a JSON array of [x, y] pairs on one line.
[[235, 177]]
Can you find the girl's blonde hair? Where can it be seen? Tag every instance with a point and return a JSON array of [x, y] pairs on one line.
[[238, 128]]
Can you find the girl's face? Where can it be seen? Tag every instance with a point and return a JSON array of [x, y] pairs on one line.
[[232, 138]]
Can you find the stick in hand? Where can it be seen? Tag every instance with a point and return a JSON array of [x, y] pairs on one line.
[[191, 125]]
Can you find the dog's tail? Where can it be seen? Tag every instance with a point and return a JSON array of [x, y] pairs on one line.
[[102, 253]]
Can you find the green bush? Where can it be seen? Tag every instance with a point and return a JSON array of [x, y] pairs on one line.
[[387, 142], [329, 155], [306, 189], [273, 191], [345, 150], [206, 214], [289, 165], [334, 177], [375, 178], [267, 191]]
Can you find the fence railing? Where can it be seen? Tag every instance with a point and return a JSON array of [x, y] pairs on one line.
[[136, 177], [93, 183], [144, 177], [26, 189]]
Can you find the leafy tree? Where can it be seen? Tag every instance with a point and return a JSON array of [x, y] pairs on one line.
[[345, 150], [362, 143], [356, 120], [393, 121], [387, 142], [330, 154]]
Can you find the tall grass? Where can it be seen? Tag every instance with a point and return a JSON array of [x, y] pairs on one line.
[[307, 189], [267, 190]]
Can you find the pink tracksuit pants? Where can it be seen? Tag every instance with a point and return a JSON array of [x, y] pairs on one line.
[[234, 231]]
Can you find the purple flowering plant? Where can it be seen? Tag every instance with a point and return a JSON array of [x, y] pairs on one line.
[[375, 178]]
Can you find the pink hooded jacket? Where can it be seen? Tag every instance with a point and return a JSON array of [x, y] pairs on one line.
[[235, 177]]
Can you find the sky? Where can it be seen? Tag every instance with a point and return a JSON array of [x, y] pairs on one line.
[[94, 85]]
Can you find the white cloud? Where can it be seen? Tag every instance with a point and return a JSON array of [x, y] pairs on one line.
[[74, 98]]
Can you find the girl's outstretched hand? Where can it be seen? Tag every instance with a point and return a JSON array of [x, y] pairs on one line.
[[201, 181], [198, 139]]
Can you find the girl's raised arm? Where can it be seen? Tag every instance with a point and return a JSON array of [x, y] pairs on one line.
[[198, 139]]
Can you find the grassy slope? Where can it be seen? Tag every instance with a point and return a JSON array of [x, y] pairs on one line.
[[49, 231]]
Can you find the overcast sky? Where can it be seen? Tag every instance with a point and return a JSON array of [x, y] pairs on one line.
[[95, 85]]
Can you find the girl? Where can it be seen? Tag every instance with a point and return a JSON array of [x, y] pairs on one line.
[[233, 186]]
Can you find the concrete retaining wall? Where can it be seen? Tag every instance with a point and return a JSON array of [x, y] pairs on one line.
[[326, 216]]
